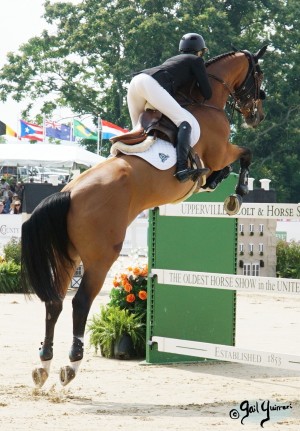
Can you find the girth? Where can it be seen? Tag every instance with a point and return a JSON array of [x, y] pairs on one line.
[[151, 123]]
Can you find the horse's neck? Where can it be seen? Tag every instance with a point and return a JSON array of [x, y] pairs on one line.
[[232, 71]]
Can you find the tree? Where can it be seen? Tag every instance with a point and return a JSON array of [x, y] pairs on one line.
[[288, 259], [86, 57]]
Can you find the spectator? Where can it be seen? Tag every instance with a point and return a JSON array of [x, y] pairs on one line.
[[4, 184], [15, 197], [13, 183], [2, 208], [19, 188], [15, 207], [8, 194]]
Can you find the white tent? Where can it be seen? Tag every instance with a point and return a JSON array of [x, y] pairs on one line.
[[50, 155]]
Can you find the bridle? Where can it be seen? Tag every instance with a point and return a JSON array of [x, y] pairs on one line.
[[246, 97]]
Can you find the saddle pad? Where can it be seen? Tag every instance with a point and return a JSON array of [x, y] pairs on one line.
[[161, 155]]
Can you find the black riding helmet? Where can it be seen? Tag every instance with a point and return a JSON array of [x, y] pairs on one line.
[[192, 42]]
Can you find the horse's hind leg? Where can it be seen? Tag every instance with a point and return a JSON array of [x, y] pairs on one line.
[[90, 286], [245, 160], [53, 310], [40, 375]]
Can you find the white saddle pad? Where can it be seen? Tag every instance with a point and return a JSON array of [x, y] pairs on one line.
[[161, 155]]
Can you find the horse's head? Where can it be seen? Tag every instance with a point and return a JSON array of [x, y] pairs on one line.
[[249, 95]]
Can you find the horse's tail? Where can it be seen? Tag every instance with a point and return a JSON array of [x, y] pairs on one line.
[[45, 247]]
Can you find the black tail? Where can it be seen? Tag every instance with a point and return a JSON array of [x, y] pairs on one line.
[[45, 247]]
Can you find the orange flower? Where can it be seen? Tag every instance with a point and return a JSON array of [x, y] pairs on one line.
[[123, 277], [136, 271], [127, 287], [116, 283], [144, 271], [130, 297], [143, 294]]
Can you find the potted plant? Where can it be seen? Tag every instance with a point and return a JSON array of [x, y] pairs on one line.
[[120, 328], [109, 326]]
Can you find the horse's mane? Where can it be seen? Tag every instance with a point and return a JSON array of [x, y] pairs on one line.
[[219, 57]]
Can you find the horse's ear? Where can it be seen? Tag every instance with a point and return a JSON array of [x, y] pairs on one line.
[[234, 48], [260, 53]]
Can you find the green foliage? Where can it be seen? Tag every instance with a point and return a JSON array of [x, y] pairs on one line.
[[12, 251], [288, 259], [85, 60], [110, 324], [10, 277]]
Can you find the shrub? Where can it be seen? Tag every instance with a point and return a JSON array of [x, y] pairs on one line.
[[288, 259], [12, 251], [10, 277]]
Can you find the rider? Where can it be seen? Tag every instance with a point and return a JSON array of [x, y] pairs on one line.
[[158, 86]]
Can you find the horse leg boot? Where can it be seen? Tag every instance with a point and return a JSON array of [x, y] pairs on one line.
[[40, 375], [242, 185], [183, 172], [81, 306], [217, 177]]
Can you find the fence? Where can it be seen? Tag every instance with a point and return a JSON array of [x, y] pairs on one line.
[[192, 291]]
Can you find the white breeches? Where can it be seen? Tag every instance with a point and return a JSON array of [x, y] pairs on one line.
[[143, 88]]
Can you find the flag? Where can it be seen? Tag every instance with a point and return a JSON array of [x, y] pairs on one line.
[[57, 130], [84, 132], [109, 130], [6, 130], [31, 131]]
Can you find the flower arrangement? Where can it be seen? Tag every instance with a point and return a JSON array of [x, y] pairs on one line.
[[130, 291]]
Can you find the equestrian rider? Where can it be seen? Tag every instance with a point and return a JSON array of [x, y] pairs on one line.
[[158, 86]]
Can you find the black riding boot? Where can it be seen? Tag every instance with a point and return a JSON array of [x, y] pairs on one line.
[[183, 172]]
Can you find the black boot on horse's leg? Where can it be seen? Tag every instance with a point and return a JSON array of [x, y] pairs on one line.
[[242, 185], [183, 172], [217, 177]]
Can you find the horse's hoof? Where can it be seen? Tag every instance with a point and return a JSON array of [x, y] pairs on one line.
[[66, 375], [232, 204], [39, 376]]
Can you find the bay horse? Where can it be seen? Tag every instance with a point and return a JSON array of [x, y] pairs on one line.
[[87, 221]]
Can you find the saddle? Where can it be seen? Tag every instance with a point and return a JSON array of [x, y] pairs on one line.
[[151, 123]]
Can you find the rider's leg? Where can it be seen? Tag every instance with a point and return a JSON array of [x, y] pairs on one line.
[[143, 88], [183, 172]]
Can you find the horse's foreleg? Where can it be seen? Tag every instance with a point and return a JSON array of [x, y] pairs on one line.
[[40, 375], [232, 203], [245, 160]]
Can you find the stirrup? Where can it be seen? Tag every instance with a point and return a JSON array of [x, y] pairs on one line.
[[190, 174]]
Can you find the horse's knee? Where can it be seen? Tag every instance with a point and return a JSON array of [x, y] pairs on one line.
[[246, 157]]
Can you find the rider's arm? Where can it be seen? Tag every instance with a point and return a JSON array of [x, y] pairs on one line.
[[200, 73]]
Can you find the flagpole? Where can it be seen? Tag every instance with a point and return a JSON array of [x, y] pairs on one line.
[[99, 142], [44, 129]]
